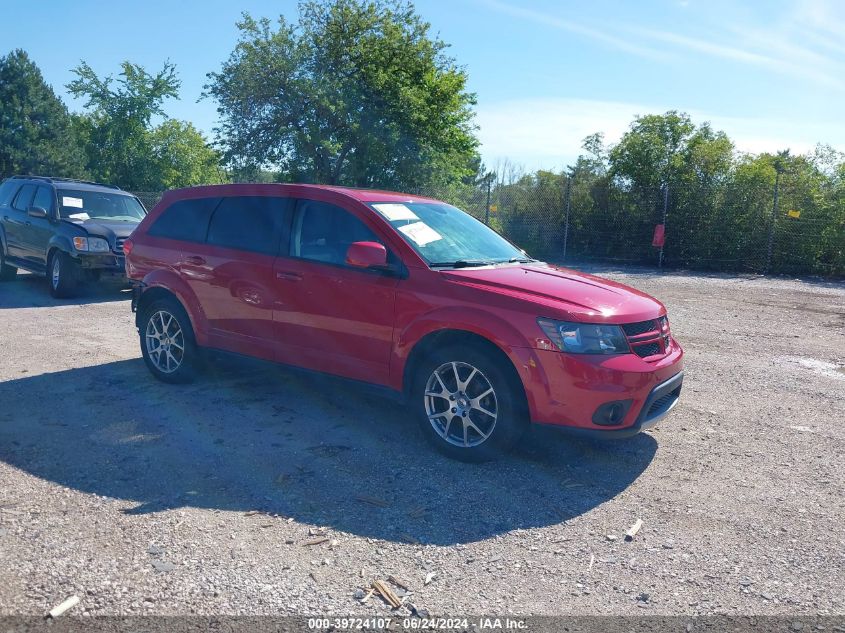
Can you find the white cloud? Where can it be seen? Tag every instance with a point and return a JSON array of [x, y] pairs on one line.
[[721, 31], [547, 133], [613, 40]]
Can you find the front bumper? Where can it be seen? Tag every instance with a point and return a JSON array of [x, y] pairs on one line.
[[109, 263], [659, 403], [566, 390]]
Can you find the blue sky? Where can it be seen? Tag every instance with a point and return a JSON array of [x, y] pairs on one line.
[[547, 72]]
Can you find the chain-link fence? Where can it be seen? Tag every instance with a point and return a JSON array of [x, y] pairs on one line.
[[707, 227], [701, 227]]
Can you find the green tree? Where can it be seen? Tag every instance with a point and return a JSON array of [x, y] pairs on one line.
[[122, 145], [36, 136], [121, 111], [180, 156], [356, 93]]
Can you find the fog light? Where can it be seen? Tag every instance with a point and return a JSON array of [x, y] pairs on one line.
[[611, 413]]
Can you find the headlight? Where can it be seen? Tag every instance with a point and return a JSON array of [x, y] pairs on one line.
[[585, 338], [91, 244]]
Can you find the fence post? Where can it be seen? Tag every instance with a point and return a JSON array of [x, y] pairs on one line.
[[487, 208], [567, 201], [665, 213], [772, 224]]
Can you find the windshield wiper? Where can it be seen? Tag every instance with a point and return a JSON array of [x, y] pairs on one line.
[[521, 260], [462, 263]]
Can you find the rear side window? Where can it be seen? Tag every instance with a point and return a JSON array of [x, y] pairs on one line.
[[7, 192], [251, 223], [185, 220], [24, 198]]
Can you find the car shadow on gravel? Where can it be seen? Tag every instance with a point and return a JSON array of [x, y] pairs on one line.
[[246, 437], [31, 291]]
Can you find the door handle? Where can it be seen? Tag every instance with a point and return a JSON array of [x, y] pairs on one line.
[[288, 276], [195, 260]]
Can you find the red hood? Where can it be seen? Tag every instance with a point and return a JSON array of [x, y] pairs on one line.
[[577, 294]]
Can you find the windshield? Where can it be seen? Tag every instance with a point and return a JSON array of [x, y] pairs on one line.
[[100, 205], [446, 236]]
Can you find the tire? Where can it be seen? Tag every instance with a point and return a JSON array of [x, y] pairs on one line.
[[7, 273], [165, 327], [62, 275], [442, 405]]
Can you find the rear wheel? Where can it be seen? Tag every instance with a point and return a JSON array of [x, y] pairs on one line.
[[167, 342], [469, 403], [7, 273], [62, 275]]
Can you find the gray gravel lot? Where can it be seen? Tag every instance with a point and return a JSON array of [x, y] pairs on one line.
[[138, 496]]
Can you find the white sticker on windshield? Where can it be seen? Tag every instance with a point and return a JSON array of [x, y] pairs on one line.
[[393, 212], [79, 216], [421, 233], [68, 201]]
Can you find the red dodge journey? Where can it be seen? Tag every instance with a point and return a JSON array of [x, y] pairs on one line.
[[404, 292]]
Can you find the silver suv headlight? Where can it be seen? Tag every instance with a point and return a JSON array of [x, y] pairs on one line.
[[91, 244], [585, 338]]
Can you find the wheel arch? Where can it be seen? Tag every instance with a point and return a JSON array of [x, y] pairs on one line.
[[451, 336], [155, 292]]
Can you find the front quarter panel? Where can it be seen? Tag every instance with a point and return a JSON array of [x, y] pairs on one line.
[[416, 319]]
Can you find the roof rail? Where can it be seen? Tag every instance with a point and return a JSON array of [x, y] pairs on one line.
[[76, 180]]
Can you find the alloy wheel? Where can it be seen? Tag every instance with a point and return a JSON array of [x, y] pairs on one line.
[[461, 405], [56, 274], [165, 342]]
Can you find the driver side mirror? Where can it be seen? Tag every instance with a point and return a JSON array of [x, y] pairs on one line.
[[37, 212], [366, 255]]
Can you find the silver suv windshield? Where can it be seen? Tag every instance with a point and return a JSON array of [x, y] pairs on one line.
[[99, 205], [445, 236]]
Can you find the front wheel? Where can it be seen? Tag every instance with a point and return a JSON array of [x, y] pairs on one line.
[[63, 275], [469, 403], [167, 342]]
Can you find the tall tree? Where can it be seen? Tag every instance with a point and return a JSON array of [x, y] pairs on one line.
[[121, 111], [357, 93], [35, 129], [123, 146]]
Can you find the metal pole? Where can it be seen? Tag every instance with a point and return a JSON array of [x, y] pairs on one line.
[[487, 208], [665, 213], [772, 224], [568, 200]]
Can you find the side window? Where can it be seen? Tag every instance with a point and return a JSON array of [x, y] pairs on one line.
[[251, 223], [24, 198], [7, 192], [185, 220], [44, 199], [324, 232]]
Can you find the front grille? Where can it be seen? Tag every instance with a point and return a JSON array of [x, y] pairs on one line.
[[635, 329], [118, 245], [649, 338], [648, 349]]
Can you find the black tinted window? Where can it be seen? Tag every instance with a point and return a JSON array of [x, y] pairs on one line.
[[24, 197], [7, 192], [185, 220], [44, 199], [250, 223], [325, 232]]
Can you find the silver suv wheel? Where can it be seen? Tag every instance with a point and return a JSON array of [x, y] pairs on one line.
[[461, 404], [165, 341]]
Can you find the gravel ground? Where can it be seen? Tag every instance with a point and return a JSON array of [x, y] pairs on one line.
[[145, 498]]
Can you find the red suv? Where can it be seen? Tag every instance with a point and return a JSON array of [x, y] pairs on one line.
[[404, 292]]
